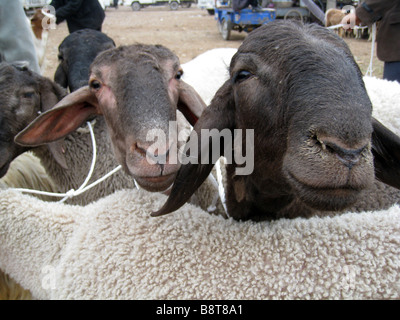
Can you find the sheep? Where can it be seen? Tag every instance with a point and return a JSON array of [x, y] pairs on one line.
[[350, 256], [26, 171], [78, 49], [76, 53], [315, 142], [334, 17], [208, 71], [165, 70], [113, 249]]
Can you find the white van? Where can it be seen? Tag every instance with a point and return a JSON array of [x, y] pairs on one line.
[[173, 4]]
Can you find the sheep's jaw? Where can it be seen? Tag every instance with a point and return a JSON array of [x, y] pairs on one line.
[[149, 175], [325, 198], [156, 184], [323, 182]]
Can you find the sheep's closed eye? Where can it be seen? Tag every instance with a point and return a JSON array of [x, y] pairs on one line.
[[241, 76]]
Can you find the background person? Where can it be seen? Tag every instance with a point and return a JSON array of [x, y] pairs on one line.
[[387, 13], [79, 14]]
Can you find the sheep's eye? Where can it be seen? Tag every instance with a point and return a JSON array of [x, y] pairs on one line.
[[241, 76], [179, 75], [28, 94], [96, 85]]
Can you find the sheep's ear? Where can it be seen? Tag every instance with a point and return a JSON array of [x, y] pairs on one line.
[[50, 94], [190, 103], [60, 77], [64, 118], [386, 151], [219, 115]]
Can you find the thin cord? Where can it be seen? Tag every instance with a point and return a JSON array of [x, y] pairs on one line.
[[73, 193]]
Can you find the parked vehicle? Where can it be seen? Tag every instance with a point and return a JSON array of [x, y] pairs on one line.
[[245, 20], [31, 5], [209, 5], [173, 4]]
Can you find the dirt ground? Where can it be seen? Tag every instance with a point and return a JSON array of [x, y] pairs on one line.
[[187, 31]]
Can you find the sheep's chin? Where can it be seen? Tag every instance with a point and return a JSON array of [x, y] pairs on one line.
[[156, 184], [325, 199]]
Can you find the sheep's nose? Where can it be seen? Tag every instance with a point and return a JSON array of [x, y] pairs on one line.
[[348, 156], [156, 153]]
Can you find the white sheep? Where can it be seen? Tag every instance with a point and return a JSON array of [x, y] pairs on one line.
[[68, 161], [113, 249], [208, 71]]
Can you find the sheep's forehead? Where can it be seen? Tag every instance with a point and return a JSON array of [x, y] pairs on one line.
[[12, 79], [111, 71]]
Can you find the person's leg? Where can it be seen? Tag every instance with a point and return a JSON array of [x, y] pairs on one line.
[[391, 71]]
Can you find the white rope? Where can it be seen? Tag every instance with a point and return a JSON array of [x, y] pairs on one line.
[[219, 185], [370, 68], [341, 25], [214, 201], [83, 188], [221, 190]]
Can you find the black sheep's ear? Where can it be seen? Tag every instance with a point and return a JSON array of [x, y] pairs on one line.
[[190, 103], [219, 115], [386, 151], [60, 76]]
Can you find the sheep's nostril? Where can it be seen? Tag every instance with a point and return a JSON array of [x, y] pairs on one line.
[[155, 154], [348, 156], [139, 149]]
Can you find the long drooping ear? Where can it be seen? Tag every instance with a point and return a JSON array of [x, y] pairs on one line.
[[386, 151], [219, 115], [50, 94], [190, 103], [63, 119]]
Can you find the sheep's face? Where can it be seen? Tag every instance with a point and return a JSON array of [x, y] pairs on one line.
[[138, 90], [300, 90], [23, 95], [138, 93], [19, 103], [311, 114]]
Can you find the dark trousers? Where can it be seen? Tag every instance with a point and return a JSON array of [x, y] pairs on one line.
[[391, 71]]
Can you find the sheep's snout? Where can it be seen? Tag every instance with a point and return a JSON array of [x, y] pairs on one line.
[[327, 172], [153, 165], [348, 156]]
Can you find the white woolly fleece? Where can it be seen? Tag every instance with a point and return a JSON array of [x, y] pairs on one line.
[[113, 249]]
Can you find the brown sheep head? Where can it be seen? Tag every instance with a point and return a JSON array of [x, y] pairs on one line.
[[137, 89], [24, 94]]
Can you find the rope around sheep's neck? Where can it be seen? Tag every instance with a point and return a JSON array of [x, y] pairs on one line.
[[83, 188]]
